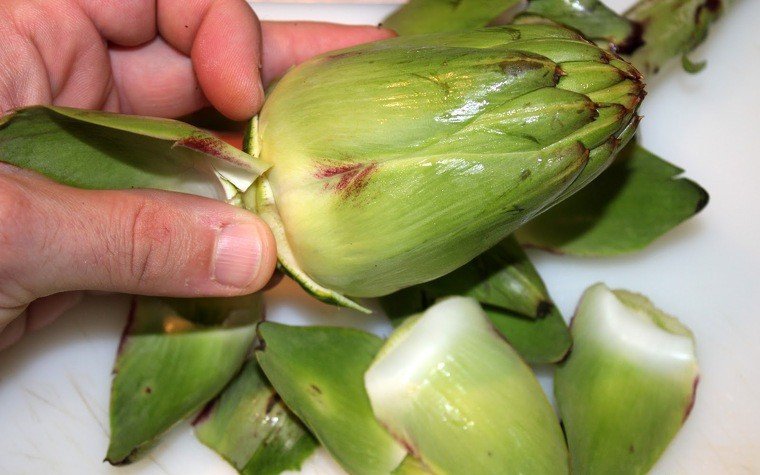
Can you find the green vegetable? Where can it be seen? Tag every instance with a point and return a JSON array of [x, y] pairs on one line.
[[451, 389], [318, 373], [638, 199], [176, 354], [252, 429], [484, 129], [628, 384]]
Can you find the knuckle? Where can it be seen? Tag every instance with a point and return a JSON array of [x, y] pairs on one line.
[[151, 243]]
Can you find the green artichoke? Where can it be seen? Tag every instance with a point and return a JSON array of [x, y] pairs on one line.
[[394, 163]]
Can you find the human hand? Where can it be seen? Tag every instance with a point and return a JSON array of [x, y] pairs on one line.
[[162, 58]]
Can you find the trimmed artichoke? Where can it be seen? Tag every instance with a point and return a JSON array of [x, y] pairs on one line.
[[628, 385], [396, 162], [461, 399]]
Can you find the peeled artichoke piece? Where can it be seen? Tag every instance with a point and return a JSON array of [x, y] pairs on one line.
[[461, 399], [627, 386]]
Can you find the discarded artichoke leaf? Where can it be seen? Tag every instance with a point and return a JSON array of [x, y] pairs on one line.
[[635, 201], [539, 341], [175, 355], [101, 150], [454, 392], [503, 277], [401, 305], [591, 17], [252, 429], [433, 16], [318, 372], [628, 384]]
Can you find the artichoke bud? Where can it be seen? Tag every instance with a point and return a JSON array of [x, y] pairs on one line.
[[394, 163]]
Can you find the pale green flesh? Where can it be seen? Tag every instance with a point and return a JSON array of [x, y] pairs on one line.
[[263, 204], [253, 430], [318, 373], [176, 355], [628, 384], [456, 393]]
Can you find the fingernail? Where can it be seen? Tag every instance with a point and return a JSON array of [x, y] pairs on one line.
[[237, 257]]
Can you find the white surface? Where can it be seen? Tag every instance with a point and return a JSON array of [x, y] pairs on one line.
[[54, 385]]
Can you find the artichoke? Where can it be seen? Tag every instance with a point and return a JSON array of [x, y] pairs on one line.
[[396, 162]]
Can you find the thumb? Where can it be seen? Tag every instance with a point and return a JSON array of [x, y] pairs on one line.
[[55, 239]]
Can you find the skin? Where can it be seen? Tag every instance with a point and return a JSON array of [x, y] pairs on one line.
[[163, 58]]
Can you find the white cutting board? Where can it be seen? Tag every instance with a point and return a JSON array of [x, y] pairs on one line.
[[54, 385]]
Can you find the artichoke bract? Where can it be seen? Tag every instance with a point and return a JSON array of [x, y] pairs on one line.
[[394, 163]]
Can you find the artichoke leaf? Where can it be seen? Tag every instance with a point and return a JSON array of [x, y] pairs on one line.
[[318, 372], [175, 355], [252, 429], [101, 150], [538, 341], [503, 277], [637, 199]]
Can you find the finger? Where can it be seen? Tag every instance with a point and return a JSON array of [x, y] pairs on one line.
[[58, 239], [289, 43], [13, 332], [50, 52], [124, 22], [156, 80], [42, 312], [23, 79], [223, 39]]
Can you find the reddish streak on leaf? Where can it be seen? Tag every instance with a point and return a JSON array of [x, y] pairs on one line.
[[206, 145], [351, 178], [210, 146]]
